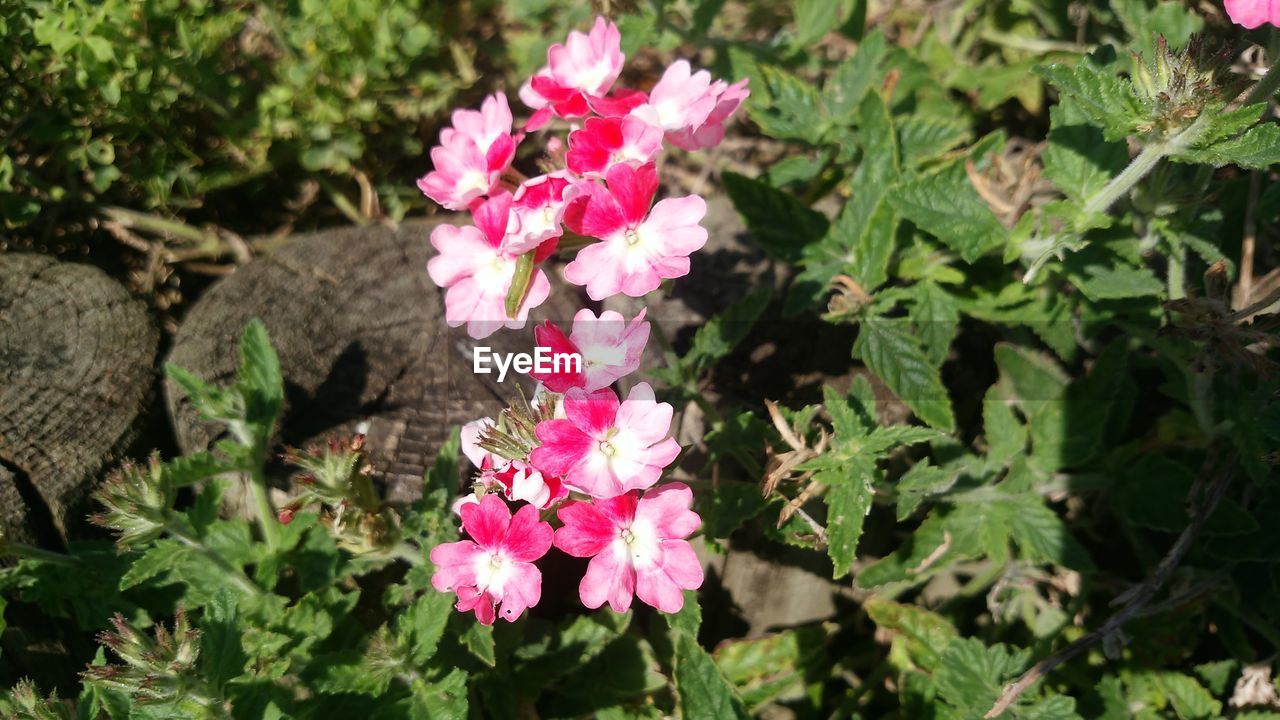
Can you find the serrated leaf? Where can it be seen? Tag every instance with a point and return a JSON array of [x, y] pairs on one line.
[[1189, 698], [422, 625], [936, 315], [222, 655], [893, 355], [704, 692], [948, 207], [1006, 435], [1257, 148], [850, 81], [918, 483], [478, 639], [779, 223], [927, 634], [1107, 99], [1078, 160], [848, 503], [790, 108], [159, 558], [445, 699], [972, 675], [260, 381], [1042, 536], [924, 138], [814, 19], [1115, 280]]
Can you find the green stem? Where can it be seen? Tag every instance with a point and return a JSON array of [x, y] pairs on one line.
[[1178, 272], [30, 552], [407, 552], [266, 511], [1144, 163]]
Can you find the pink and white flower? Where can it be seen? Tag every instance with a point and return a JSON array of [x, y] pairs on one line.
[[680, 100], [495, 567], [637, 548], [517, 480], [728, 98], [537, 211], [477, 269], [610, 348], [472, 155], [641, 247], [605, 448], [585, 66], [1253, 13], [605, 142]]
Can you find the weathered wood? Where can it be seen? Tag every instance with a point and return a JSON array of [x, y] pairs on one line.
[[360, 331], [76, 365]]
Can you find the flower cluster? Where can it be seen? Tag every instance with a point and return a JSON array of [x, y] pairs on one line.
[[577, 453], [600, 186]]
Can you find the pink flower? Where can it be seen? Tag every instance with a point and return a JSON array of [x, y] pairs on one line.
[[604, 448], [1252, 13], [681, 99], [609, 348], [604, 142], [472, 155], [637, 548], [477, 269], [711, 132], [641, 247], [584, 66], [539, 205], [496, 566]]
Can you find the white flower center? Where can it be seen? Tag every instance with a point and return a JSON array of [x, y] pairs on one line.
[[639, 543], [493, 571]]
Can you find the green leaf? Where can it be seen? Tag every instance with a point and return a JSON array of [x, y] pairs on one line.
[[2, 622], [222, 655], [1257, 148], [724, 332], [1112, 280], [948, 207], [925, 138], [260, 381], [1006, 436], [445, 699], [422, 625], [918, 483], [1188, 697], [972, 675], [1105, 98], [1078, 160], [1152, 493], [893, 355], [936, 315], [779, 223], [847, 506], [704, 692], [814, 19], [1043, 537], [159, 558], [479, 640], [849, 82], [789, 108], [774, 666], [689, 620], [927, 634]]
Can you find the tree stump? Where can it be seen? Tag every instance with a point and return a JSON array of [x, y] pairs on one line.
[[360, 331], [77, 358]]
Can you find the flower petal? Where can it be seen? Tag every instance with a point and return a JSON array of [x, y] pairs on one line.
[[486, 522]]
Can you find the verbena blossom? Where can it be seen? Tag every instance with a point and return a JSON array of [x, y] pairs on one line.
[[493, 572], [637, 547], [584, 67], [605, 142], [472, 156], [1253, 13], [605, 448], [609, 347], [600, 182], [640, 247], [477, 268]]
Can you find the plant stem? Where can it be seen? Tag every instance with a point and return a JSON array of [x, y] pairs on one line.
[[30, 552], [266, 511], [1144, 163], [1177, 280]]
